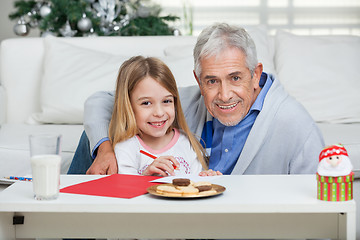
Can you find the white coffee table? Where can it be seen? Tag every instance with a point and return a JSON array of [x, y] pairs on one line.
[[263, 206]]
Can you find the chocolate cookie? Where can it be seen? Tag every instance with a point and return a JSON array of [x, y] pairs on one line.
[[181, 182], [204, 188]]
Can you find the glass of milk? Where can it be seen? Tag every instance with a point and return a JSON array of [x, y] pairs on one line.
[[45, 150]]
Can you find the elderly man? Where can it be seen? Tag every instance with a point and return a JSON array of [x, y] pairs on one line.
[[247, 122]]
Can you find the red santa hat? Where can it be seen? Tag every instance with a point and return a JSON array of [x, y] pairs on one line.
[[332, 150]]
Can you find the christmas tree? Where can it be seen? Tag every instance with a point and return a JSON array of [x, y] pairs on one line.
[[69, 18]]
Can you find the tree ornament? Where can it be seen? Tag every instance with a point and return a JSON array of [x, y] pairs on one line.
[[33, 23], [143, 11], [107, 10], [45, 10], [48, 33], [66, 30], [27, 17], [177, 32], [125, 20], [21, 28], [84, 24], [91, 33], [116, 26], [30, 19]]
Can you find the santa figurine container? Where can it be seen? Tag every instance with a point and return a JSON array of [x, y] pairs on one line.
[[334, 174]]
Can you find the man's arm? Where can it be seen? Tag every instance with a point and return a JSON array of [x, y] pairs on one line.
[[97, 114], [306, 161]]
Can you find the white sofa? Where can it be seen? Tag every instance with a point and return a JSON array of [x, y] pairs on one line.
[[45, 81]]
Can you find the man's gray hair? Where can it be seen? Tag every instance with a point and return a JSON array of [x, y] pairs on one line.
[[220, 36]]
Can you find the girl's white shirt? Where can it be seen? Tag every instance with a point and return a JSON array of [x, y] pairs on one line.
[[131, 161]]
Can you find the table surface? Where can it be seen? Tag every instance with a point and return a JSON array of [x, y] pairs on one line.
[[282, 206], [244, 193]]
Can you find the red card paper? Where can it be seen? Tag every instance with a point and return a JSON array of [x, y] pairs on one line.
[[116, 185]]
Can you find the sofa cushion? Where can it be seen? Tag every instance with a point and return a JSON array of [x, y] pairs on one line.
[[320, 73], [71, 74], [14, 146], [182, 69]]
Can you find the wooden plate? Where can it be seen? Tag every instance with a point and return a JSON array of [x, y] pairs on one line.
[[218, 188]]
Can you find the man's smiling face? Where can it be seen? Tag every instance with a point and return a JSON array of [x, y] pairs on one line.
[[227, 86]]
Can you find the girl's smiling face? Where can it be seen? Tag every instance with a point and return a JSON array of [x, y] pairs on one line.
[[154, 108]]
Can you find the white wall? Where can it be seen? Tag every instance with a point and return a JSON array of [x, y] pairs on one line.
[[6, 25]]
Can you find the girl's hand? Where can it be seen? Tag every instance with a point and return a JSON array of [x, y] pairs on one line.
[[162, 166], [209, 172]]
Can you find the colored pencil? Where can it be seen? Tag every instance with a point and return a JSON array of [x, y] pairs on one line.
[[154, 157], [148, 154], [19, 178]]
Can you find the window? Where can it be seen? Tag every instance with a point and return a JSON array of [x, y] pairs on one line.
[[306, 17]]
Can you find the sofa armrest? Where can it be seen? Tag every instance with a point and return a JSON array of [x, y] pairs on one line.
[[2, 105]]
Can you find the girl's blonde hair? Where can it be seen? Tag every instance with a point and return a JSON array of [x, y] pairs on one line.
[[123, 123]]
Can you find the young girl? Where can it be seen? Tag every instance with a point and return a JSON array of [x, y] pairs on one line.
[[148, 129]]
